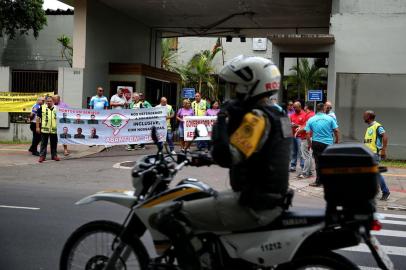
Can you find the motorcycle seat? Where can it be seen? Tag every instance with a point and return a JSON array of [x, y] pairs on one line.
[[294, 219]]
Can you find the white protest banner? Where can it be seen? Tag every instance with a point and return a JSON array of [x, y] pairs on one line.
[[191, 122], [106, 127]]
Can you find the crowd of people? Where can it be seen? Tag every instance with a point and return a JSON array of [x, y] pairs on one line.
[[41, 133], [312, 130]]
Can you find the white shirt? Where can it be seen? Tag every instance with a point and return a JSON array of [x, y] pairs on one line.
[[117, 99]]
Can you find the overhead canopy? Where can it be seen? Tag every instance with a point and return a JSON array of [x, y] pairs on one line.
[[227, 17]]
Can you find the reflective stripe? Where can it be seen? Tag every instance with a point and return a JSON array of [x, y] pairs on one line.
[[350, 170], [170, 196]]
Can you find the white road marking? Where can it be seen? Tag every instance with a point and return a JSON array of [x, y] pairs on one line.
[[368, 268], [392, 216], [19, 207], [389, 233], [395, 222], [390, 250], [118, 166]]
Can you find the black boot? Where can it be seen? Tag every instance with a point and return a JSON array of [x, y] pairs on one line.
[[171, 223]]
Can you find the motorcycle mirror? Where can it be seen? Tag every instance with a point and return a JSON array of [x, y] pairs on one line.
[[201, 131], [154, 135]]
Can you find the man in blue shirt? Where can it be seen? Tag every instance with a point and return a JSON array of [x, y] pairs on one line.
[[99, 102], [36, 138], [322, 127]]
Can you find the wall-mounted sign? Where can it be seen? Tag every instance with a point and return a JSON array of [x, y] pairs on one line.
[[259, 44]]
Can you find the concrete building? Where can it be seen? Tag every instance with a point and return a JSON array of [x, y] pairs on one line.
[[363, 40]]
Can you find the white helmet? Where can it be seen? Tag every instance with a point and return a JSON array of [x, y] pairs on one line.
[[254, 76]]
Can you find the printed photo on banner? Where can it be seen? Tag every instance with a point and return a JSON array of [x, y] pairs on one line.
[[109, 127], [191, 123]]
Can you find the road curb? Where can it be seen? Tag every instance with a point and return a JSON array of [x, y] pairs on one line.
[[303, 189]]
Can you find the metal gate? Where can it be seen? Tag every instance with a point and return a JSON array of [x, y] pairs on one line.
[[34, 81]]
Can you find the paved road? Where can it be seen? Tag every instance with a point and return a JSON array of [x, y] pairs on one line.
[[32, 236]]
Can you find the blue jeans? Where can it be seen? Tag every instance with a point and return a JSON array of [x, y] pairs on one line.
[[169, 140], [296, 153], [382, 183]]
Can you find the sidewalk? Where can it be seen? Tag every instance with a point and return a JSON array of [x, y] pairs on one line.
[[17, 154], [395, 179]]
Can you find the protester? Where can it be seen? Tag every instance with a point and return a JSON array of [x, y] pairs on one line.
[[36, 138], [328, 109], [59, 104], [320, 129], [214, 110], [46, 126], [289, 108], [118, 101], [186, 110], [145, 104], [99, 102], [170, 113], [304, 146], [199, 107], [135, 103], [297, 120], [376, 139]]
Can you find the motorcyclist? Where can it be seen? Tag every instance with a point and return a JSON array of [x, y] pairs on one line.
[[252, 138]]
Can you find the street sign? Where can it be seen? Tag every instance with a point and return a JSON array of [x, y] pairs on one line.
[[315, 95], [188, 92]]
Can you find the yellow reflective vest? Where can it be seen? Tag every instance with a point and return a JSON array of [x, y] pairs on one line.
[[48, 120], [371, 136], [200, 108]]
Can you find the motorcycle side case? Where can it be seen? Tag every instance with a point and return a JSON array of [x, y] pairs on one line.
[[349, 173]]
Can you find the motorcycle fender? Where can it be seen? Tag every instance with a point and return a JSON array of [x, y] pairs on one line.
[[124, 198], [268, 248]]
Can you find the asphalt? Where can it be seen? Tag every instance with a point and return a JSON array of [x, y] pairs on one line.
[[33, 238], [17, 154]]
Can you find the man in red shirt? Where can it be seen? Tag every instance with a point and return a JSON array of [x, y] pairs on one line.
[[304, 146], [297, 119]]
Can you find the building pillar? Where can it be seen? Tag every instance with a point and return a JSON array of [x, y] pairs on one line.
[[5, 86], [79, 34]]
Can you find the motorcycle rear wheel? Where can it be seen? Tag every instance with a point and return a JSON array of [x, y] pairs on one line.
[[321, 261], [91, 245]]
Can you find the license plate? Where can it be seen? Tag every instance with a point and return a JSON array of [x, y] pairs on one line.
[[381, 253]]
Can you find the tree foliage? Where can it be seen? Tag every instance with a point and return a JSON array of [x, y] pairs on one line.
[[21, 16], [168, 57], [199, 72], [306, 76], [67, 48]]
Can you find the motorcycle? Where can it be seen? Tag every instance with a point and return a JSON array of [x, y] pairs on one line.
[[295, 240]]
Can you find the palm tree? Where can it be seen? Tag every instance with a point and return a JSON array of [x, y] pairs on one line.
[[168, 57], [199, 71], [306, 76]]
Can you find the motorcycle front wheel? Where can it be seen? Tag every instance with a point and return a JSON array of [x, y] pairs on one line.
[[322, 261], [91, 246]]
